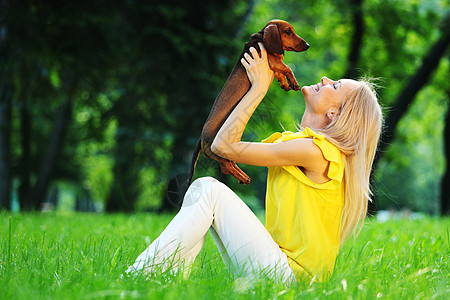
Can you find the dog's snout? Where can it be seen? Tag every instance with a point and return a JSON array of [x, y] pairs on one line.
[[302, 46], [305, 46]]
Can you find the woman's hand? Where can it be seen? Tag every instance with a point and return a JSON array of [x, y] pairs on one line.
[[258, 71]]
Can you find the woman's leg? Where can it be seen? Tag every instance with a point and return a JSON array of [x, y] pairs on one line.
[[245, 244], [243, 241], [180, 242]]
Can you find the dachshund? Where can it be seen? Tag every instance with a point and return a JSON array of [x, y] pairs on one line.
[[277, 36]]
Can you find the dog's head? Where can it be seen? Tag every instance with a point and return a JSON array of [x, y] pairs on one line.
[[279, 35]]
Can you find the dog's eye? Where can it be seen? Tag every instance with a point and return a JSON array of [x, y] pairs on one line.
[[288, 32], [334, 86]]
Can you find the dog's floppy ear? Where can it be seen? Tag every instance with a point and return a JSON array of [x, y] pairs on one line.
[[272, 39]]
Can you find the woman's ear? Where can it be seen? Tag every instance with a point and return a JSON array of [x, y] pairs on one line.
[[331, 115]]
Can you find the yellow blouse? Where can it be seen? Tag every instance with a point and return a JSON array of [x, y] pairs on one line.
[[304, 217]]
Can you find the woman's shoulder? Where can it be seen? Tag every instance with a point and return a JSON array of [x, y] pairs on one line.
[[306, 132], [330, 152], [278, 137], [328, 149]]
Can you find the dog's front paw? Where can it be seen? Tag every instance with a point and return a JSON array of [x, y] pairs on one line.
[[294, 86], [285, 86]]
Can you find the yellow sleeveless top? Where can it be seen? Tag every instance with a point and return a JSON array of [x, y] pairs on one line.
[[304, 217]]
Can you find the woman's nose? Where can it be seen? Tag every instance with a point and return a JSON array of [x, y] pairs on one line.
[[325, 80]]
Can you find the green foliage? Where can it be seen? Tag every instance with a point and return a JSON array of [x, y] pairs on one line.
[[98, 176], [409, 175], [143, 77], [153, 189], [81, 256]]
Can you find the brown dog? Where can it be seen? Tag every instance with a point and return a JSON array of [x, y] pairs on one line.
[[276, 37]]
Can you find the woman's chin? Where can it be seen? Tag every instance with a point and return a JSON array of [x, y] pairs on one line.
[[305, 90]]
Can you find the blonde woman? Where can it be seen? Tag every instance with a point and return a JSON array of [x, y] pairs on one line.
[[317, 186]]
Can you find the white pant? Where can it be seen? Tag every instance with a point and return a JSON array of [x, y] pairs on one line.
[[244, 243]]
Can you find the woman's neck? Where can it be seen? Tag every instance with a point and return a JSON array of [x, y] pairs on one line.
[[312, 121]]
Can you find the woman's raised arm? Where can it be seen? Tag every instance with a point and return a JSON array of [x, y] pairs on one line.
[[228, 144]]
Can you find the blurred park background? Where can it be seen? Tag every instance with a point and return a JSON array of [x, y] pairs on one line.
[[102, 102]]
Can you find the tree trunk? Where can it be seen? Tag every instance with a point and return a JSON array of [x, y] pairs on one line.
[[407, 95], [39, 192], [25, 161], [6, 93], [178, 172], [415, 84], [357, 38], [125, 188], [445, 184], [5, 146]]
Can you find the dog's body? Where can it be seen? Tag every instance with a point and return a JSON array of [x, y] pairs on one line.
[[276, 37]]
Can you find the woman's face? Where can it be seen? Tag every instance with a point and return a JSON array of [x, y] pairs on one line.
[[327, 95]]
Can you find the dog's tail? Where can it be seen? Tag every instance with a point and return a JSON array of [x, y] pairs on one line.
[[194, 160]]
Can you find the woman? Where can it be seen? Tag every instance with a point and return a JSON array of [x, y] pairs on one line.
[[317, 187]]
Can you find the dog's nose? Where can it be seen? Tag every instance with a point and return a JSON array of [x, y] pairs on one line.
[[306, 46]]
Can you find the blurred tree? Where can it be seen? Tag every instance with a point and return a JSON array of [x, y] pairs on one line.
[[138, 49], [356, 7], [104, 95], [418, 81], [445, 184], [47, 77], [5, 148], [5, 109], [44, 175], [176, 50]]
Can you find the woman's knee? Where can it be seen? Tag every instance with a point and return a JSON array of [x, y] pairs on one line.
[[204, 189], [204, 181], [210, 184], [198, 190]]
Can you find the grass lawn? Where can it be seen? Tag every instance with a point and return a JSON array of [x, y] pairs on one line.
[[80, 256]]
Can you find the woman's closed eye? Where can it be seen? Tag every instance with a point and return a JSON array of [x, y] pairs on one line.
[[337, 85]]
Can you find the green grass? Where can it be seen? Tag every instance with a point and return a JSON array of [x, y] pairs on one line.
[[80, 256]]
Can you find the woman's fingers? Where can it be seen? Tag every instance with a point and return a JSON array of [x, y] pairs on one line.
[[245, 63], [263, 51], [254, 53], [248, 57], [255, 64], [251, 58]]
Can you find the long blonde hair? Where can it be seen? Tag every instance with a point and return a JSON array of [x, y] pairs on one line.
[[356, 132]]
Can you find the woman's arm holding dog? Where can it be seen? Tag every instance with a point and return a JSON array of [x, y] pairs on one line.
[[228, 144], [260, 77]]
